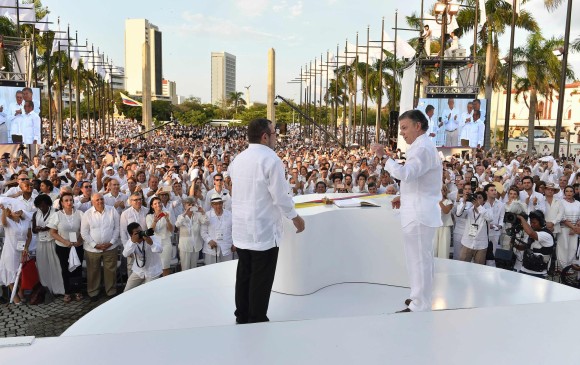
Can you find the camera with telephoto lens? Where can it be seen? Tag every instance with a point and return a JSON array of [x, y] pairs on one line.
[[147, 233], [515, 224]]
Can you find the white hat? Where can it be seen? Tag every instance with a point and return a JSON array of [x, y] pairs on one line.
[[216, 198]]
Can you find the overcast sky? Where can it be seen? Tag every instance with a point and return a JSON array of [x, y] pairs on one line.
[[299, 30]]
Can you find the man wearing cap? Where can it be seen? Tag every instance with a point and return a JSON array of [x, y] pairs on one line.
[[260, 200], [217, 233]]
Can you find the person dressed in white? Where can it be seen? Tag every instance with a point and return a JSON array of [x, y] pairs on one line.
[[16, 114], [427, 34], [3, 125], [218, 181], [473, 132], [190, 240], [451, 120], [18, 236], [421, 181], [532, 199], [497, 211], [100, 232], [568, 238], [466, 119], [147, 256], [454, 45], [162, 223], [217, 233], [476, 235], [442, 239], [259, 202], [554, 209], [135, 213], [433, 126], [29, 126]]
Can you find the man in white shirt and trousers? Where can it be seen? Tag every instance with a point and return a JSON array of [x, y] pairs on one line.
[[421, 180], [260, 200]]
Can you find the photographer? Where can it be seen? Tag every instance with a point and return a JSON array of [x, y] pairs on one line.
[[146, 249], [538, 251], [476, 235]]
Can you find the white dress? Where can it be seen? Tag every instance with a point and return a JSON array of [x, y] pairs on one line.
[[47, 262], [10, 258], [164, 236], [567, 244]]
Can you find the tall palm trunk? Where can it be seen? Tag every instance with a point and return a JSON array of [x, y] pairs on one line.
[[488, 91], [350, 116], [58, 113], [532, 118]]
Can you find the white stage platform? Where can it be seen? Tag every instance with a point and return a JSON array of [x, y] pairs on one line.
[[480, 315], [188, 318]]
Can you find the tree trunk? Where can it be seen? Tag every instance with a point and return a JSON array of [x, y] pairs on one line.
[[350, 116], [58, 113], [488, 93], [532, 118]]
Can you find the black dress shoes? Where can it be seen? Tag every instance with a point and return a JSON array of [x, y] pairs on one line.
[[406, 310], [407, 302]]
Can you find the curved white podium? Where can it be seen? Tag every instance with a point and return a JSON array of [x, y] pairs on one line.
[[341, 245]]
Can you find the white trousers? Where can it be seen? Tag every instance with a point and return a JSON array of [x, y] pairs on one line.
[[211, 259], [442, 242], [134, 281], [566, 247], [188, 260], [457, 236], [418, 240]]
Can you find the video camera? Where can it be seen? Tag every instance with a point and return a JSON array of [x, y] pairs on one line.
[[515, 224]]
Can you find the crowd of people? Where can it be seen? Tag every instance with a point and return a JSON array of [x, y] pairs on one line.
[[162, 202]]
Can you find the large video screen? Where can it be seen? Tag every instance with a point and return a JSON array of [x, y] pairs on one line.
[[20, 115], [455, 122]]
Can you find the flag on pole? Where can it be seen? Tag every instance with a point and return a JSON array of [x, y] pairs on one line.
[[42, 25], [482, 13], [75, 57], [128, 101], [59, 38]]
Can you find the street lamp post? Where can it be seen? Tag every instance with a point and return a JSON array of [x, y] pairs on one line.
[[444, 12]]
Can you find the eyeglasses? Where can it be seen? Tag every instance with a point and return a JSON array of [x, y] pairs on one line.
[[87, 187], [26, 179], [218, 179]]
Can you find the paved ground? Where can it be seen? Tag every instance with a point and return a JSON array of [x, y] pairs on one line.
[[44, 320]]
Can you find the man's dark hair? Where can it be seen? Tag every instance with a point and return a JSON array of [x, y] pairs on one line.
[[131, 227], [476, 113], [429, 108], [482, 193], [321, 183], [539, 216], [257, 128], [426, 26], [27, 89], [372, 185], [488, 186], [42, 199], [30, 103], [416, 116], [528, 178]]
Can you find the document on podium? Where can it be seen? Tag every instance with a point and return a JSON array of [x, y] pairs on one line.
[[354, 203]]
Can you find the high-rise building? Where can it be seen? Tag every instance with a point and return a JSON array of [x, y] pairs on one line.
[[223, 76], [170, 91], [137, 32]]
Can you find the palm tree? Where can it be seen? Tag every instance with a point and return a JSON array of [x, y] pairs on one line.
[[499, 16], [334, 96], [236, 98], [542, 73]]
